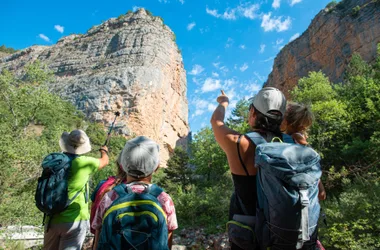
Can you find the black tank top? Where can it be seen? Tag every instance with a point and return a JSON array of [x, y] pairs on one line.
[[245, 189], [244, 198]]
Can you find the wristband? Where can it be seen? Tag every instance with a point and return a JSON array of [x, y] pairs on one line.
[[102, 149]]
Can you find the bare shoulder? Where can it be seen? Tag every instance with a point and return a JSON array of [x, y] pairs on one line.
[[299, 138]]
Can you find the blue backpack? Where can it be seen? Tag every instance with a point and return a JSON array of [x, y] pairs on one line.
[[135, 221], [287, 194], [52, 195]]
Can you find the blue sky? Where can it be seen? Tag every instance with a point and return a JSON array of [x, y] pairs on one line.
[[227, 45]]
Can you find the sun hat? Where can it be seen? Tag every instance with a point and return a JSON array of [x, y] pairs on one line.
[[270, 99], [140, 157], [77, 142]]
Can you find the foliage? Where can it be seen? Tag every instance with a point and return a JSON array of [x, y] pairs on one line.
[[355, 11], [31, 122], [208, 157], [346, 132], [8, 50], [352, 217], [149, 13], [239, 117], [174, 38], [331, 4], [178, 171]]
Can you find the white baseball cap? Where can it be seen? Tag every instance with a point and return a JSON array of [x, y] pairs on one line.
[[270, 99]]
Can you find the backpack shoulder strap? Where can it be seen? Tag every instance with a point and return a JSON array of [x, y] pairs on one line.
[[256, 138], [155, 190], [287, 138], [120, 189]]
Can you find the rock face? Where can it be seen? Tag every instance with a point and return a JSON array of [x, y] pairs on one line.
[[129, 64], [328, 44]]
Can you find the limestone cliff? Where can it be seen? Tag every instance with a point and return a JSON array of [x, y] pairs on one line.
[[352, 26], [129, 64]]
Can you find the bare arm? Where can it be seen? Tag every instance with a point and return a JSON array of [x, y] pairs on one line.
[[170, 239], [96, 239], [104, 160], [322, 192], [225, 136]]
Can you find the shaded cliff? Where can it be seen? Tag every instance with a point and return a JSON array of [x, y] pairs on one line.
[[129, 64], [338, 31]]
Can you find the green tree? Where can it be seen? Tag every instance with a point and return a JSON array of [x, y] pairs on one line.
[[239, 117], [208, 158], [178, 172]]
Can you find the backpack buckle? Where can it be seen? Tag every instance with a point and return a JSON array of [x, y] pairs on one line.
[[304, 197]]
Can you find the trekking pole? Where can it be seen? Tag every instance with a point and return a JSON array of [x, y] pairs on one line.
[[117, 113]]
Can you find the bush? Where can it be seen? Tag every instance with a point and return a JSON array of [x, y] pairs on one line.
[[355, 11], [331, 4], [9, 50], [149, 13]]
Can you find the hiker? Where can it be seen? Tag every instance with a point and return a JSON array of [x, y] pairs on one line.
[[67, 230], [266, 112], [275, 201], [148, 223], [298, 119]]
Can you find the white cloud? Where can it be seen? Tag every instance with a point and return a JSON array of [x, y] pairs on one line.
[[242, 46], [190, 26], [212, 12], [229, 14], [276, 4], [135, 8], [279, 41], [214, 74], [224, 69], [293, 2], [211, 85], [182, 1], [43, 37], [204, 30], [259, 77], [252, 88], [197, 69], [249, 10], [229, 42], [216, 64], [262, 48], [244, 67], [229, 82], [275, 23], [197, 112], [295, 36], [243, 10], [200, 104], [59, 28], [269, 59], [211, 107]]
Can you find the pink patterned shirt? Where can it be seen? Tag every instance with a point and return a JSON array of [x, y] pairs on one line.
[[164, 199]]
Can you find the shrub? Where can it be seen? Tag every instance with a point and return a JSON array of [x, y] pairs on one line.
[[9, 50], [331, 4], [355, 11], [149, 13]]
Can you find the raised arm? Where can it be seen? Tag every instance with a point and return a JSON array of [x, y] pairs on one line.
[[104, 160], [225, 136]]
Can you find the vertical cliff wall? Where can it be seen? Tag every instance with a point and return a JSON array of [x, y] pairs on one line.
[[338, 31], [129, 64]]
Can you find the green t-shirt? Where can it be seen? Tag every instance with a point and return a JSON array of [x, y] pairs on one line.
[[81, 169]]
